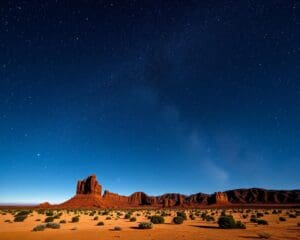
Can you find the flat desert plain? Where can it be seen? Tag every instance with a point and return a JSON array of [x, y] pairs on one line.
[[118, 225]]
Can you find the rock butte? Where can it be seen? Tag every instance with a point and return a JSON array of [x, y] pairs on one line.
[[89, 195]]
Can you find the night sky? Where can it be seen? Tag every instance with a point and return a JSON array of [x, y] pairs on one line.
[[158, 96]]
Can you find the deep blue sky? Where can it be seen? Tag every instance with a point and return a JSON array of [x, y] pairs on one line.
[[159, 96]]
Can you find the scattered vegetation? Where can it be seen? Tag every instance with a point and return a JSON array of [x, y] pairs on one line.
[[145, 225], [132, 219], [182, 214], [49, 219], [178, 220], [157, 219], [52, 225], [75, 219], [262, 222], [227, 222], [38, 228], [100, 223], [282, 219], [117, 228]]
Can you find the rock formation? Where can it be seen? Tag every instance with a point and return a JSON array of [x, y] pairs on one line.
[[88, 195], [89, 186], [221, 198]]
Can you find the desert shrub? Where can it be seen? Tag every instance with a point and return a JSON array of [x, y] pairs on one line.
[[244, 216], [20, 218], [63, 221], [145, 225], [282, 219], [209, 218], [192, 217], [117, 228], [23, 212], [7, 221], [275, 212], [182, 214], [227, 222], [108, 218], [240, 225], [178, 220], [127, 215], [253, 220], [157, 219], [75, 219], [100, 223], [292, 215], [264, 235], [96, 218], [132, 219], [138, 214], [258, 215], [38, 220], [262, 222], [39, 228], [52, 225], [49, 213], [49, 219]]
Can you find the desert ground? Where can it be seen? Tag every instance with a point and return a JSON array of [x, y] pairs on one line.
[[124, 224]]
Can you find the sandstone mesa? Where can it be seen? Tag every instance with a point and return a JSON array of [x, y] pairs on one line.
[[89, 195]]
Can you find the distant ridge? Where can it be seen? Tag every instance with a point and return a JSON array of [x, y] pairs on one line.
[[89, 195]]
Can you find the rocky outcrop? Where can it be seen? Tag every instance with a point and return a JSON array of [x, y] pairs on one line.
[[89, 186], [88, 195], [221, 198], [263, 196]]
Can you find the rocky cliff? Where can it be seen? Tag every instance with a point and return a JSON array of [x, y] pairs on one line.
[[88, 194]]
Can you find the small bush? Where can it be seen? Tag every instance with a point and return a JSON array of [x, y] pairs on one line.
[[209, 218], [264, 235], [49, 214], [157, 219], [178, 220], [282, 219], [96, 218], [39, 228], [100, 223], [63, 221], [20, 218], [75, 219], [253, 220], [108, 218], [132, 219], [49, 219], [127, 215], [52, 225], [258, 215], [145, 225], [192, 217], [227, 222], [117, 228], [262, 222], [182, 214], [292, 216]]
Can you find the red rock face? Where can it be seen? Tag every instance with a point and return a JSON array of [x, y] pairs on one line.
[[89, 186], [221, 198], [88, 195]]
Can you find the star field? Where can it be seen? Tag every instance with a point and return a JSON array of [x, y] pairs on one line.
[[164, 96]]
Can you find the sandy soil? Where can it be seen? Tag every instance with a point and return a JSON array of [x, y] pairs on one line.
[[196, 229]]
